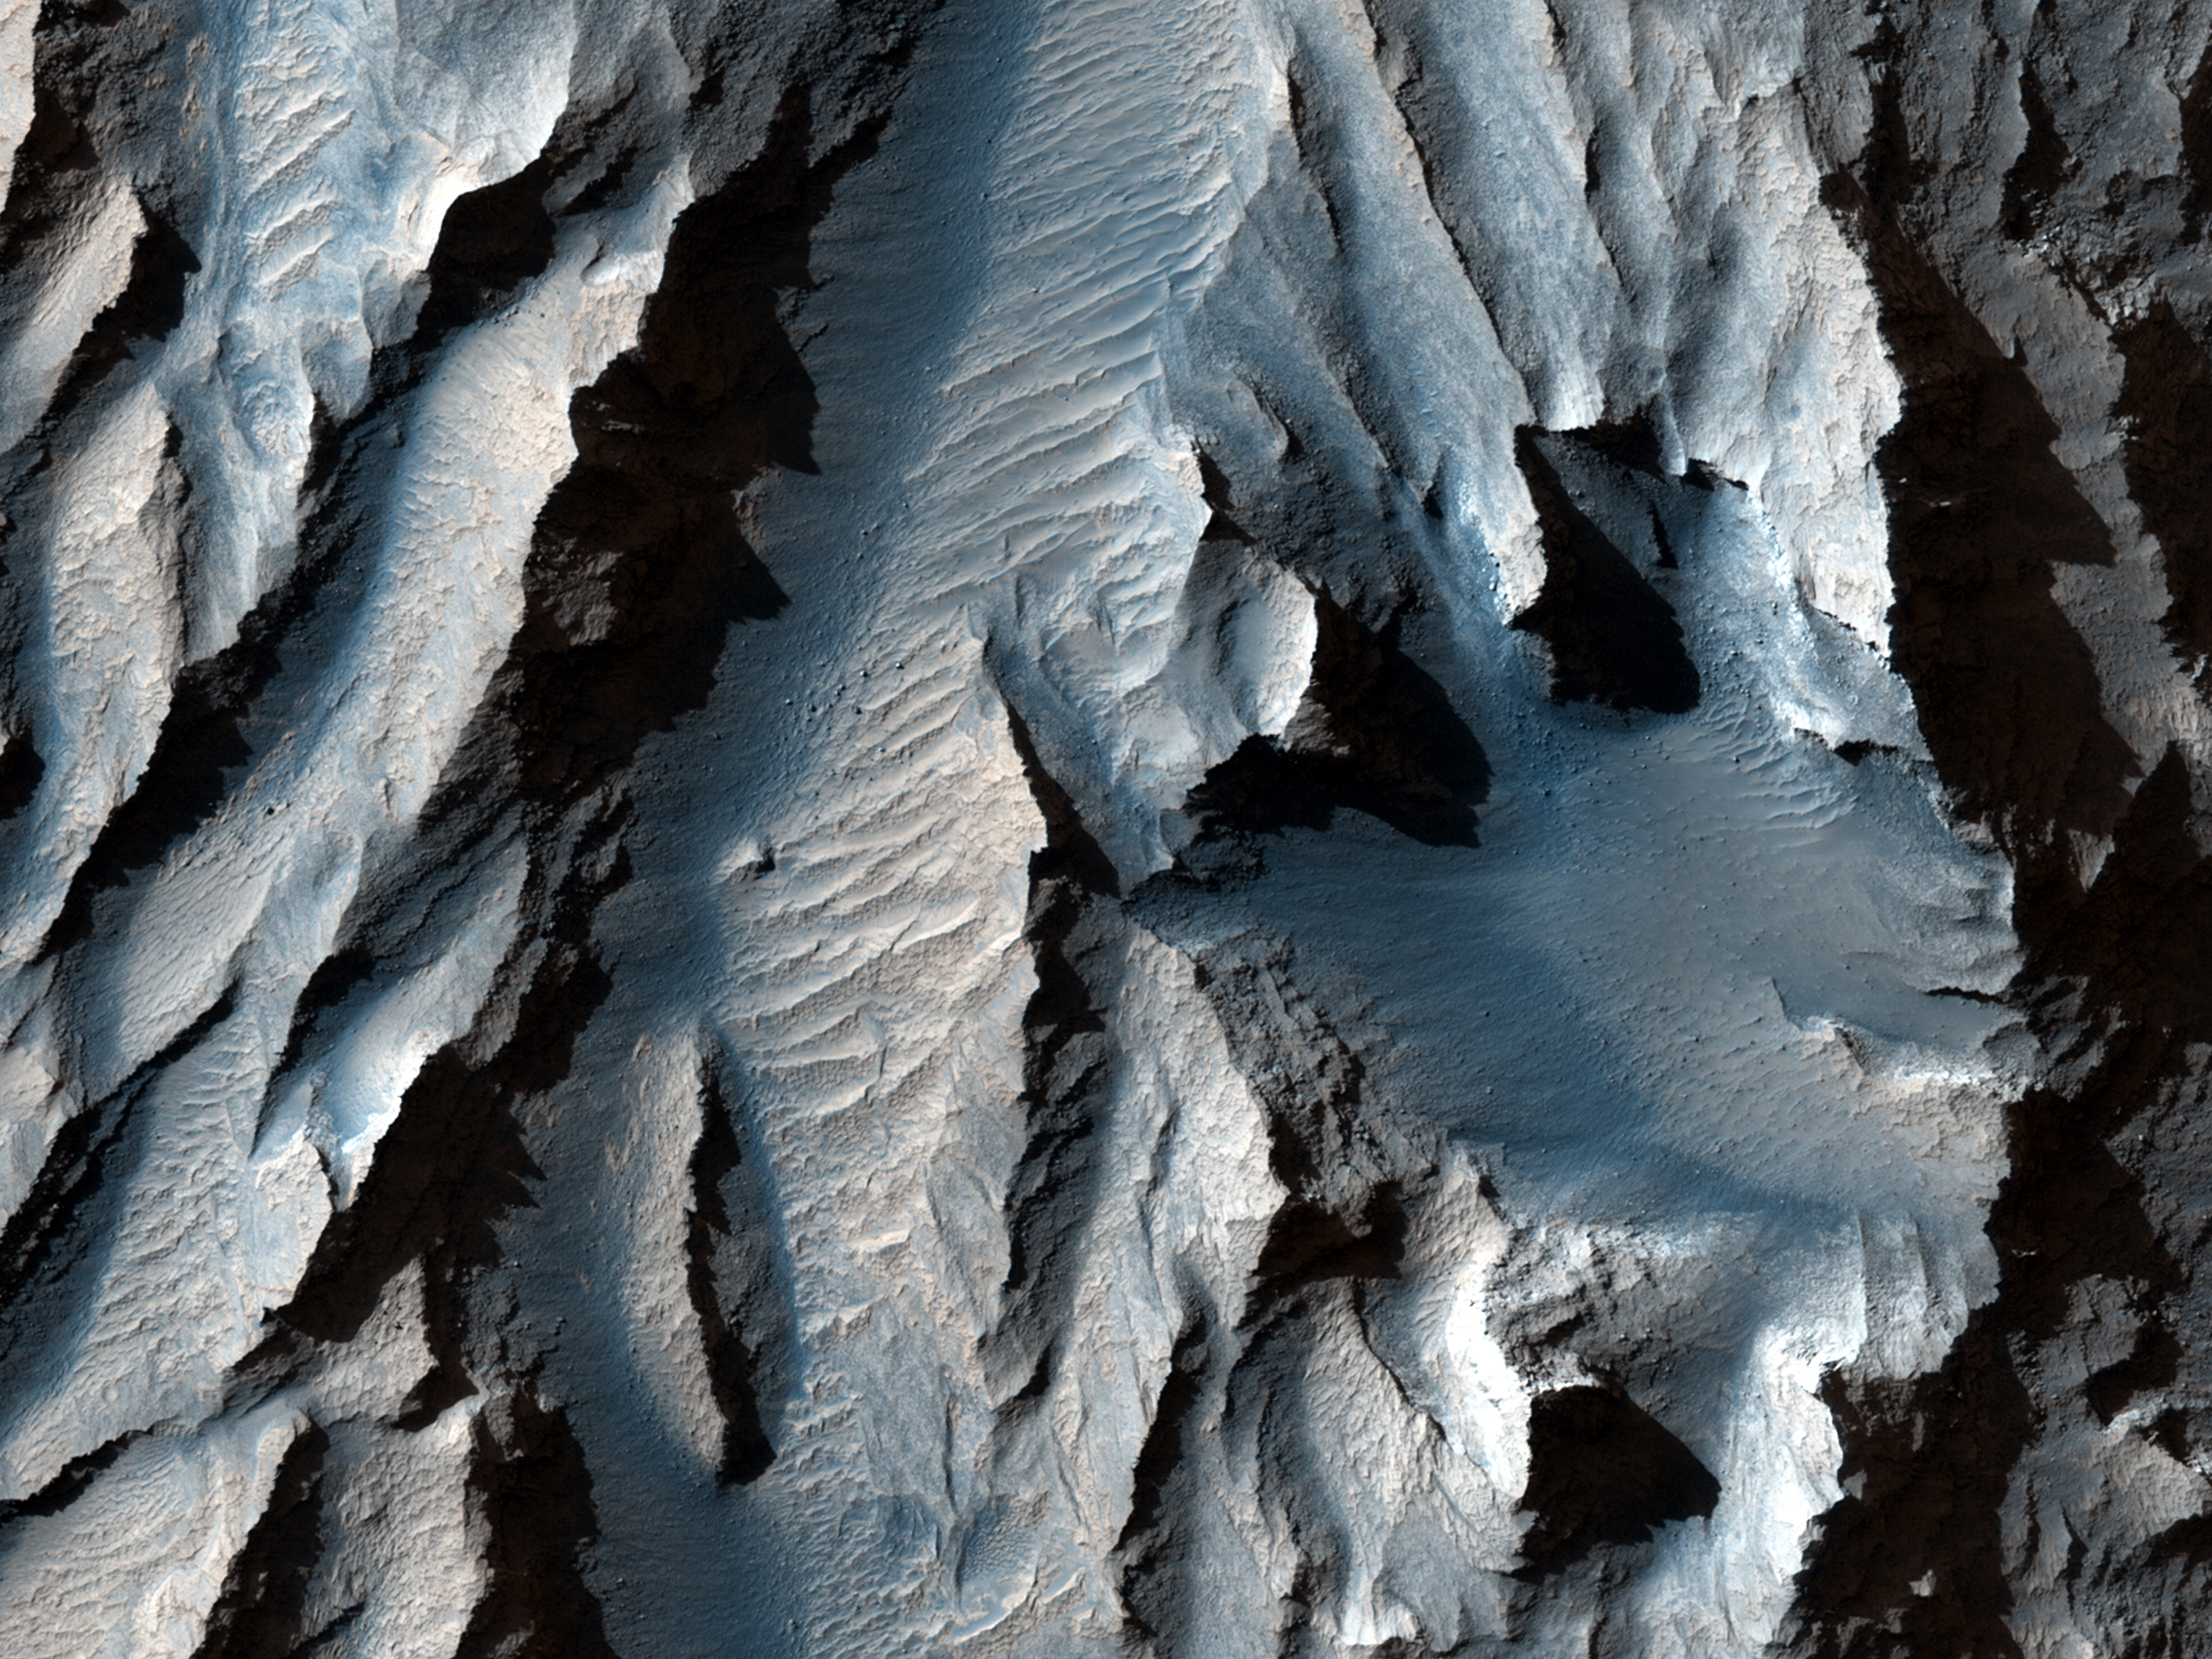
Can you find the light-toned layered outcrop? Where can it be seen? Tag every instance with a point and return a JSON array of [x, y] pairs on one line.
[[1040, 830]]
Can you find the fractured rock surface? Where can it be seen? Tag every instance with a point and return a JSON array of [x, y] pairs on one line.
[[1268, 827]]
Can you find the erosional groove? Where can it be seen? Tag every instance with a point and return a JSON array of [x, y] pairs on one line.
[[536, 1492], [261, 1613], [1071, 884], [59, 1222], [1614, 638], [1980, 510], [748, 1453], [1603, 1472], [74, 1478], [1147, 1541]]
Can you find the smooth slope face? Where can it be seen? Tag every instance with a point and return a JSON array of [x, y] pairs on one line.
[[1261, 829]]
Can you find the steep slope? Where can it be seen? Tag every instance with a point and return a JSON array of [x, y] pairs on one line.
[[1265, 828]]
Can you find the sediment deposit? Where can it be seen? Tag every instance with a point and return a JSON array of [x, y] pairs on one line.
[[1164, 827]]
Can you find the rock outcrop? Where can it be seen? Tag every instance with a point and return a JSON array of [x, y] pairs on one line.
[[1223, 829]]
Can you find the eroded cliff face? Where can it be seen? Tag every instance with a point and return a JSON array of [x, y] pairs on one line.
[[1248, 829]]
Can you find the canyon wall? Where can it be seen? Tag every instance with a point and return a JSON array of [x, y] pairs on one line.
[[1197, 828]]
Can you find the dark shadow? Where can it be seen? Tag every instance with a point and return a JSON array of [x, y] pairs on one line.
[[492, 242], [1633, 446], [57, 1250], [261, 1611], [151, 305], [1603, 1470], [1931, 1459], [1980, 511], [21, 768], [1376, 734], [2165, 415], [1307, 1242], [1070, 852], [2153, 1363], [90, 64], [1614, 638], [732, 1366], [535, 1496]]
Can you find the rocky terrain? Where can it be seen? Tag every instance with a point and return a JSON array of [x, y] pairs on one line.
[[1200, 828]]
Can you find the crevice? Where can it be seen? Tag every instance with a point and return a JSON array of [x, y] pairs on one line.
[[89, 65], [534, 1493], [1051, 1192], [147, 309], [201, 753], [639, 566], [2197, 147], [1030, 1393], [1308, 1243], [1980, 511], [76, 52], [1399, 64], [1613, 637], [1933, 1459], [493, 241], [1374, 732], [1315, 148], [2164, 417], [2042, 168], [74, 1480], [1070, 852], [227, 707], [21, 767], [2153, 1363], [1603, 1472], [454, 1163], [637, 571], [748, 1453], [260, 1613], [1155, 1556], [1214, 488], [1162, 1449], [78, 1169]]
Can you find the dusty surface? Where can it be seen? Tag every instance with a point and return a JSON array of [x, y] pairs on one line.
[[1251, 827]]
